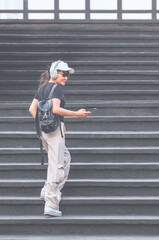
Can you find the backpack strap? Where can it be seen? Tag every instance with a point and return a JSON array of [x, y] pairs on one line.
[[38, 131], [52, 90], [61, 130], [42, 152], [49, 97]]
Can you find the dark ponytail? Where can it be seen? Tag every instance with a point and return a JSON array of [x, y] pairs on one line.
[[45, 77]]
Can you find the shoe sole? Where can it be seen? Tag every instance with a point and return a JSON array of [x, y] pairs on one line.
[[51, 215]]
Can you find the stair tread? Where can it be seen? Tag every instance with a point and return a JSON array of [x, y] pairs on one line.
[[81, 148], [114, 150], [86, 72], [84, 199], [84, 182], [79, 166], [84, 92], [73, 237], [84, 82], [103, 53], [86, 134], [78, 219], [88, 119], [79, 36], [86, 44], [15, 104], [97, 27], [82, 63]]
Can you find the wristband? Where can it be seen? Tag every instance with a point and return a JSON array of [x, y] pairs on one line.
[[75, 114]]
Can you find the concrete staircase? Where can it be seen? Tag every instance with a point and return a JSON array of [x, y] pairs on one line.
[[113, 187]]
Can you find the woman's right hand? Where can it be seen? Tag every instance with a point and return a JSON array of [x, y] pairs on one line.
[[82, 113]]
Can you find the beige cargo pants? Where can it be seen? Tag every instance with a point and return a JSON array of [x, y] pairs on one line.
[[58, 166]]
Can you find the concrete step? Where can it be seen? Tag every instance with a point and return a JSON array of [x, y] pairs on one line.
[[82, 206], [86, 84], [80, 139], [105, 108], [83, 29], [83, 171], [84, 155], [84, 187], [106, 95], [89, 74], [82, 65], [80, 56], [91, 123], [85, 65], [107, 225], [71, 46], [70, 237], [50, 38]]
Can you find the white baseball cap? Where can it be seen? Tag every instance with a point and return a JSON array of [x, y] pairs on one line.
[[60, 65]]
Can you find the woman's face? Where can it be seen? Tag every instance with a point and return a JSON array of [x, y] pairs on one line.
[[62, 77]]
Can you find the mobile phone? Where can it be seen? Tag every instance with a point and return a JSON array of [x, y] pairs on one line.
[[91, 110]]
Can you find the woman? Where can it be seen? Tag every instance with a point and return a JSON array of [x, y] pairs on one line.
[[54, 142]]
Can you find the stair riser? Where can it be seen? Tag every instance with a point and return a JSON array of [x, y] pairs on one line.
[[84, 157], [80, 29], [83, 142], [113, 86], [78, 191], [19, 86], [76, 57], [94, 40], [100, 209], [87, 66], [87, 173], [128, 111], [15, 112], [113, 126], [21, 158], [88, 126], [105, 111], [102, 38], [75, 48], [81, 229], [106, 97], [101, 76]]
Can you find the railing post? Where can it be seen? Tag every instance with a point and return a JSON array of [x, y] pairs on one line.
[[87, 10], [119, 10], [56, 11], [25, 9], [154, 9]]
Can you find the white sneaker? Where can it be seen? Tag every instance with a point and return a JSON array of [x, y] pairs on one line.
[[42, 194], [52, 212]]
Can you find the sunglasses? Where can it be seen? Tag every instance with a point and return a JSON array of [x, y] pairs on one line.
[[64, 73]]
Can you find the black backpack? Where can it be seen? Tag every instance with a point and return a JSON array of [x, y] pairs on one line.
[[46, 120]]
